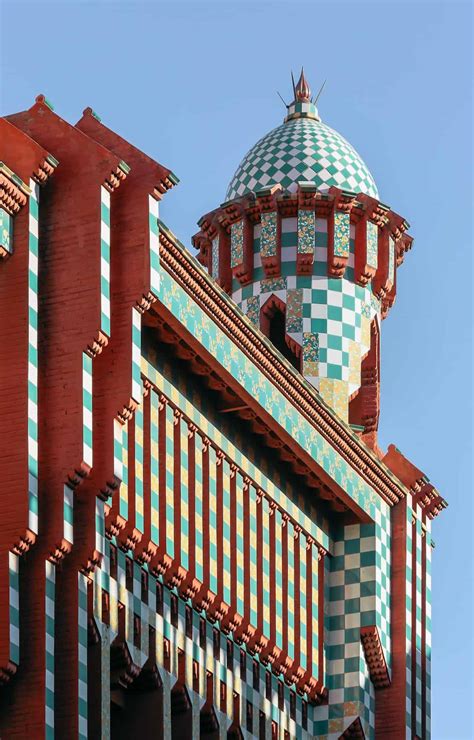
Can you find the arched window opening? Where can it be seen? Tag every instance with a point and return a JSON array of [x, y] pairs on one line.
[[273, 325]]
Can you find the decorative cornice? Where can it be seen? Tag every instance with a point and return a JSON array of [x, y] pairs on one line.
[[359, 206], [13, 191]]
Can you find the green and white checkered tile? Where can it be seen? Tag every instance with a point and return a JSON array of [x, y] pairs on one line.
[[154, 245], [50, 596], [418, 625], [14, 606], [409, 614], [68, 514], [6, 231], [33, 266], [105, 260], [82, 655], [87, 408], [136, 355], [352, 599], [383, 579], [301, 150], [429, 548]]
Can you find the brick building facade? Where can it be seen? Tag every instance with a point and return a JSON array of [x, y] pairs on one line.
[[200, 536]]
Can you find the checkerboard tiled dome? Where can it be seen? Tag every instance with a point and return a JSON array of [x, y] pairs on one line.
[[302, 149]]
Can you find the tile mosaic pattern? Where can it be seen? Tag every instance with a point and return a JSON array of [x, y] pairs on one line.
[[306, 231], [341, 234], [268, 234], [301, 150], [270, 285], [252, 310], [335, 392], [33, 267], [237, 244], [294, 314], [372, 244], [311, 355]]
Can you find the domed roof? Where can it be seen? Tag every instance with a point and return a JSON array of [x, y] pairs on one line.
[[302, 149]]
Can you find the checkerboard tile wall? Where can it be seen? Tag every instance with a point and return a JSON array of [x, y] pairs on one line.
[[359, 595], [329, 317]]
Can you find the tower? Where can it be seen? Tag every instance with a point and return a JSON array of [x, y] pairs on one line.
[[309, 253]]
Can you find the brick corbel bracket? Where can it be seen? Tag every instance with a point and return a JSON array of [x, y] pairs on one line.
[[374, 656]]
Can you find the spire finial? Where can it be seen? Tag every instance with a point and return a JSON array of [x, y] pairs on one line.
[[302, 106], [302, 89]]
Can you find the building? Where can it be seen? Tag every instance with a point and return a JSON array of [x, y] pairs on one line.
[[200, 536]]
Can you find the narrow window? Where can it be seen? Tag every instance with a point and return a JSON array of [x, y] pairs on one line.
[[189, 621], [174, 610]]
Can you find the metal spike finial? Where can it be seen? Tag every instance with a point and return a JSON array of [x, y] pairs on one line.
[[319, 93], [282, 100]]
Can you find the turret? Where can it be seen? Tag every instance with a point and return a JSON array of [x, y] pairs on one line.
[[307, 250]]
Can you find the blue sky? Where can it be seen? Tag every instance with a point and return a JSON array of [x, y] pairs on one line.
[[194, 85]]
